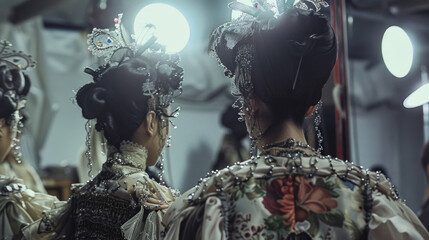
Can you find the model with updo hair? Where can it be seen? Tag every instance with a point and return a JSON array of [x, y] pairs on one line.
[[14, 87], [279, 56], [129, 101], [19, 206]]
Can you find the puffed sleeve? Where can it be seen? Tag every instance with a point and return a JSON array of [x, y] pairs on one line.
[[146, 224], [199, 221], [36, 203], [56, 222], [213, 220], [392, 219], [19, 207], [12, 218]]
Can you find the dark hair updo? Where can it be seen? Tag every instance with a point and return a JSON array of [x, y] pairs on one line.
[[292, 63], [116, 98], [14, 85], [283, 61]]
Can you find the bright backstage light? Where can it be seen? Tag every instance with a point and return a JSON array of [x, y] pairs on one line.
[[170, 26], [418, 97], [397, 51]]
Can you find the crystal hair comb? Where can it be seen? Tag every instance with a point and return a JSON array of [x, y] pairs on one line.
[[14, 59], [104, 42], [118, 45]]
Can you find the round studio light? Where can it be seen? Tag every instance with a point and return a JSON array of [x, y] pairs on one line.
[[397, 51], [169, 25], [418, 97]]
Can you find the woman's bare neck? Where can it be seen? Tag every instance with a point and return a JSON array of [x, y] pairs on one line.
[[280, 132]]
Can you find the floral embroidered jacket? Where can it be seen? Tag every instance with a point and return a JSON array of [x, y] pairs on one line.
[[295, 196]]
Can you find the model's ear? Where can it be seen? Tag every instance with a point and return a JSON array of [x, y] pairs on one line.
[[310, 111], [151, 123]]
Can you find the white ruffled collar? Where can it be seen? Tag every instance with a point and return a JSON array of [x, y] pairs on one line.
[[130, 154]]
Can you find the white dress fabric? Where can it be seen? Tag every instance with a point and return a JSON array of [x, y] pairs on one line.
[[20, 206], [25, 172]]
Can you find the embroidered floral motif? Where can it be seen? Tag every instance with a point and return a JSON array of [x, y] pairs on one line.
[[242, 229], [298, 204], [252, 189], [294, 205], [280, 200], [312, 198]]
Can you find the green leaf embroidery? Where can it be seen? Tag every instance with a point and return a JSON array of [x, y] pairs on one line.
[[333, 218], [328, 186], [314, 221], [275, 223], [254, 188]]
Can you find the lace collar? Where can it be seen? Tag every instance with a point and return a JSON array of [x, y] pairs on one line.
[[288, 146], [130, 154]]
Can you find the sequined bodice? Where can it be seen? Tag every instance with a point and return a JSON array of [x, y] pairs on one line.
[[102, 206]]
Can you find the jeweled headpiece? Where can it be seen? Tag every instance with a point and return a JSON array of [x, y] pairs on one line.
[[14, 59], [13, 84], [117, 46]]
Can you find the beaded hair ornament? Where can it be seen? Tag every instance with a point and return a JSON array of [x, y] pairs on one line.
[[12, 89], [116, 46], [14, 59]]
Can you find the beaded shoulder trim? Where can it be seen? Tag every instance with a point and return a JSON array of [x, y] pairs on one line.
[[298, 163]]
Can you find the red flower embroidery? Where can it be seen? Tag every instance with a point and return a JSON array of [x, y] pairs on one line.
[[312, 198], [280, 199]]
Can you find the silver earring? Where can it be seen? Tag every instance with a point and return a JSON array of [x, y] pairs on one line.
[[317, 122], [16, 143], [255, 135], [103, 144], [161, 170], [88, 154]]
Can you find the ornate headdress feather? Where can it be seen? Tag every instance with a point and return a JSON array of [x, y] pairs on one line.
[[116, 46], [14, 86], [14, 59]]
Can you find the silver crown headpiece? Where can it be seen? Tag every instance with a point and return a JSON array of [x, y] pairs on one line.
[[14, 59], [116, 46]]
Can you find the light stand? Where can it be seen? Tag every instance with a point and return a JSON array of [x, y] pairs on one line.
[[425, 80]]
